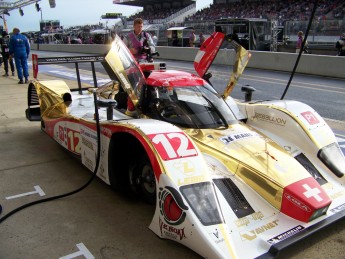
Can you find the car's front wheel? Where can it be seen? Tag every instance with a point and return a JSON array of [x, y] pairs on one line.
[[144, 181]]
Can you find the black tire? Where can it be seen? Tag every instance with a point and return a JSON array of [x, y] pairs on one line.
[[143, 180], [120, 164]]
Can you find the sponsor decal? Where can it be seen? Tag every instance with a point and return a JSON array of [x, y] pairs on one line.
[[242, 222], [191, 180], [252, 234], [257, 215], [69, 138], [285, 235], [270, 119], [173, 145], [88, 162], [87, 143], [106, 132], [297, 202], [310, 117], [70, 59], [338, 208], [237, 136], [219, 240], [88, 134], [61, 134], [186, 167], [170, 231], [171, 207], [102, 172], [246, 220], [124, 80]]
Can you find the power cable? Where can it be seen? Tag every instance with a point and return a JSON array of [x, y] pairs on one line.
[[11, 213], [301, 50]]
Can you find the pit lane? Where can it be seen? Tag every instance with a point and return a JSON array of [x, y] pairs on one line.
[[96, 222]]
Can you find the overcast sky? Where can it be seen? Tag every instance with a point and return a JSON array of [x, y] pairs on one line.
[[72, 12]]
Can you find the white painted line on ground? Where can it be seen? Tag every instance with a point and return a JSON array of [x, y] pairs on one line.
[[82, 251], [38, 190], [341, 141]]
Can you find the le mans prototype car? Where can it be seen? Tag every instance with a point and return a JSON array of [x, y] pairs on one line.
[[229, 178]]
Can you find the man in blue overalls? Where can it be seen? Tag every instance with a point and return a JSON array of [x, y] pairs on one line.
[[20, 49]]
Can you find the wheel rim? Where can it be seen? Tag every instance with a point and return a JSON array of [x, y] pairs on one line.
[[148, 179]]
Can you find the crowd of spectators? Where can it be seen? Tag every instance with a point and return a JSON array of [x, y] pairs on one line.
[[150, 15], [272, 9]]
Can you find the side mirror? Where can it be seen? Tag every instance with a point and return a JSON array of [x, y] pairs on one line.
[[248, 90]]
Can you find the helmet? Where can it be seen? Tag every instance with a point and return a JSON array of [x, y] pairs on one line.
[[4, 33]]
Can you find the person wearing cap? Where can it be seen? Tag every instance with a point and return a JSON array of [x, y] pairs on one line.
[[5, 52], [340, 45], [20, 49]]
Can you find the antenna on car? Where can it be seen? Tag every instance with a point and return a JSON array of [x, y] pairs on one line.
[[301, 49]]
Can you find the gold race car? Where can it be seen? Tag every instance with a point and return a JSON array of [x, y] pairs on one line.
[[229, 178]]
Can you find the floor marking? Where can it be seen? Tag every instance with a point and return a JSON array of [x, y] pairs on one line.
[[82, 251], [38, 190], [341, 142]]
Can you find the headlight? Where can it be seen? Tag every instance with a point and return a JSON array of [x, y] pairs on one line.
[[333, 158], [202, 199], [319, 213]]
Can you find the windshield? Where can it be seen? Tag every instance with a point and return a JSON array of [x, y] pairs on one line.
[[188, 106]]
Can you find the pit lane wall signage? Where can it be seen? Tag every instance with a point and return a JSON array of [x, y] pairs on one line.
[[76, 59]]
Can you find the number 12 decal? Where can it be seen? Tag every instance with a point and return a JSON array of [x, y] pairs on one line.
[[173, 145]]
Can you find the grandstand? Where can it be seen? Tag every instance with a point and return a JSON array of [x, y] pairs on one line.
[[291, 15]]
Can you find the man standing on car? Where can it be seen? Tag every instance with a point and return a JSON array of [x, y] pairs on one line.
[[139, 42], [5, 52], [20, 49]]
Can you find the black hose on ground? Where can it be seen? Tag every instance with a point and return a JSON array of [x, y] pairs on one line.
[[2, 219]]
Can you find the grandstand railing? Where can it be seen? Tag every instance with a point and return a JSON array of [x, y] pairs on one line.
[[184, 10], [322, 32]]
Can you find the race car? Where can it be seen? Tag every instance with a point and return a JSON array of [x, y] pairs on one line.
[[228, 178]]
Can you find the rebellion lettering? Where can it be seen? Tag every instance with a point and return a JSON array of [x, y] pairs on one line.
[[171, 230], [268, 118]]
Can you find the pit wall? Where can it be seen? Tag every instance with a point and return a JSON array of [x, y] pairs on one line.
[[321, 65]]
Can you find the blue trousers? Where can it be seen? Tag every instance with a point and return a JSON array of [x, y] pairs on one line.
[[22, 65]]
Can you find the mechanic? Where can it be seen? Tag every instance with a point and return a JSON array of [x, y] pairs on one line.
[[340, 45], [20, 49], [139, 42], [5, 52]]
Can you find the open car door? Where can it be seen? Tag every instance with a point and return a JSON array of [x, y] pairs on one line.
[[209, 50], [207, 53], [126, 69]]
